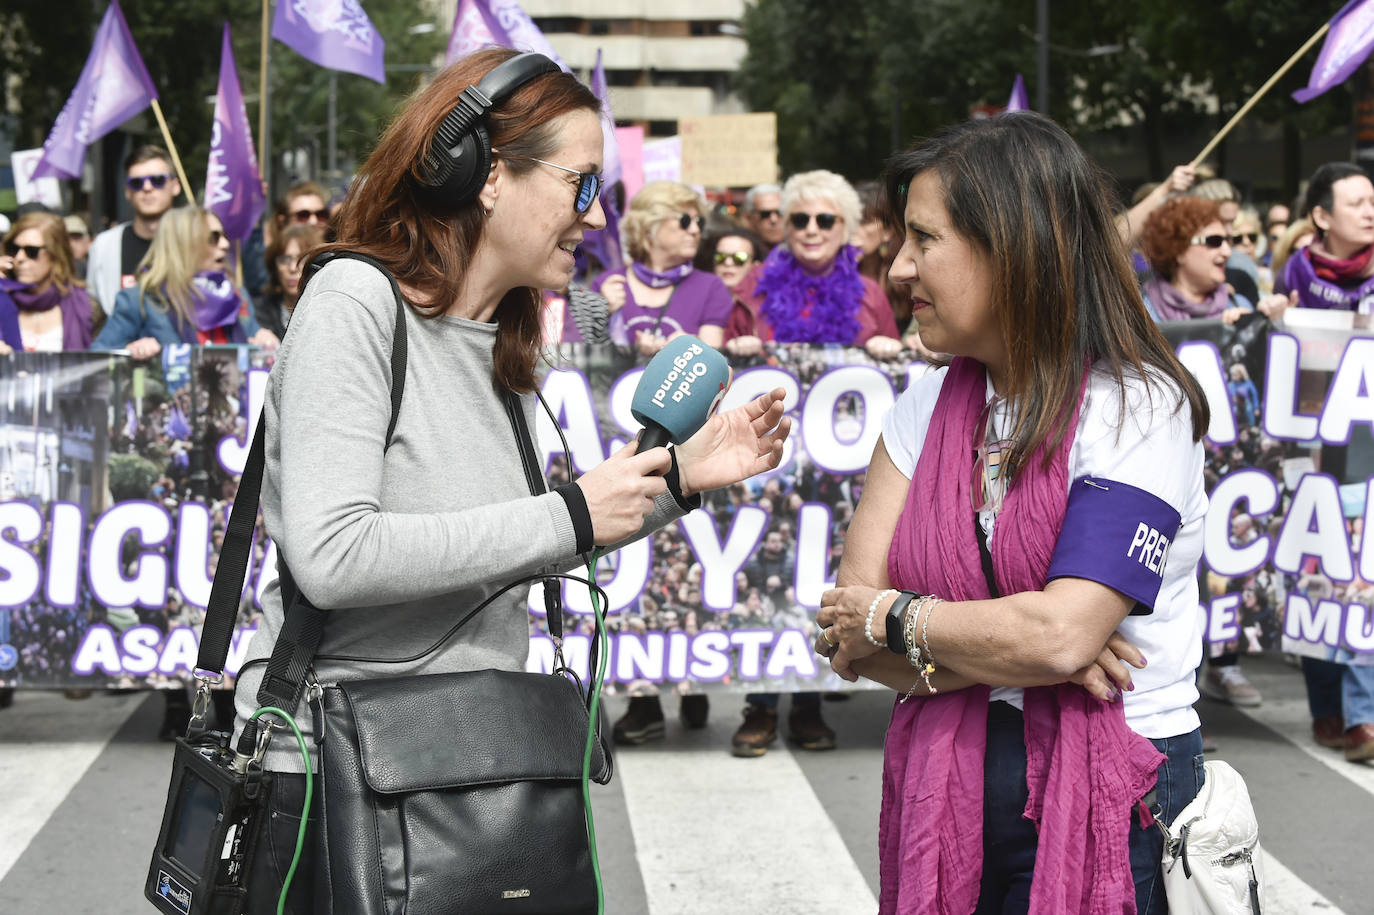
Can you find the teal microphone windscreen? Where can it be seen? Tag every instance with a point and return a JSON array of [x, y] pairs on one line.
[[679, 390]]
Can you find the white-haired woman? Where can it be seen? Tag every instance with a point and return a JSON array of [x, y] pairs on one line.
[[661, 294], [184, 294], [805, 292]]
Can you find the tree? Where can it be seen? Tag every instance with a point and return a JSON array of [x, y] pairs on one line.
[[844, 85], [41, 54]]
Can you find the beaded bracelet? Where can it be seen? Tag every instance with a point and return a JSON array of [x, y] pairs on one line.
[[872, 612]]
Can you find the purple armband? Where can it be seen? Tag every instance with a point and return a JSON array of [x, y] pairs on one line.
[[1117, 535]]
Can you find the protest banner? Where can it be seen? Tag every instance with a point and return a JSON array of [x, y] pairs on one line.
[[730, 150], [116, 479]]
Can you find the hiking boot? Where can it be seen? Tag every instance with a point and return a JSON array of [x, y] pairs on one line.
[[694, 710], [806, 729], [641, 723], [760, 728], [1228, 684]]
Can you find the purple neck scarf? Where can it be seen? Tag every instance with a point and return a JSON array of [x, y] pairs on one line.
[[215, 298], [1085, 768], [1315, 292], [804, 307], [75, 307], [1171, 305], [658, 279]]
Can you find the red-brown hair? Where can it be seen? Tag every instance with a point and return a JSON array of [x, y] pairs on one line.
[[390, 216], [1169, 230]]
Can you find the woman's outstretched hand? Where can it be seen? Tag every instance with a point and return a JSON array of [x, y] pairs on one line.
[[734, 445]]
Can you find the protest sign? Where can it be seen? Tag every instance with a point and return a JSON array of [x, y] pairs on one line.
[[116, 479]]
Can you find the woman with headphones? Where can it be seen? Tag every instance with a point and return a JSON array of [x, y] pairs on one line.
[[474, 199]]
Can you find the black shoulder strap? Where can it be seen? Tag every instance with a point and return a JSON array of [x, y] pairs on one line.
[[222, 609], [986, 555]]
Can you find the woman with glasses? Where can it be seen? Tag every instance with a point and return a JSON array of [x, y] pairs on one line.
[[660, 294], [184, 293], [285, 265], [806, 292], [395, 535], [730, 255], [1187, 247], [54, 311], [1021, 568], [1335, 271]]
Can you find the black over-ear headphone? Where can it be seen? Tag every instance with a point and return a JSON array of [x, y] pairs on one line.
[[459, 156]]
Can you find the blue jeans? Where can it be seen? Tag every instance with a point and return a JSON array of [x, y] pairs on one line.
[[1009, 839], [1336, 690]]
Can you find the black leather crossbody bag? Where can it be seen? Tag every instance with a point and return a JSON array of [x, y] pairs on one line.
[[442, 793]]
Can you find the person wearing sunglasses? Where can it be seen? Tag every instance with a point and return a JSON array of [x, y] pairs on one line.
[[660, 294], [285, 263], [763, 213], [395, 543], [303, 204], [730, 255], [184, 294], [150, 187], [809, 289], [987, 577], [1187, 246], [1248, 241], [54, 311]]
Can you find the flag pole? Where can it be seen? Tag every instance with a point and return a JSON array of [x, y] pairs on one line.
[[263, 145], [1254, 99], [172, 148]]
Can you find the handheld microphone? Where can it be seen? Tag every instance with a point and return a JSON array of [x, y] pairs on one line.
[[679, 390]]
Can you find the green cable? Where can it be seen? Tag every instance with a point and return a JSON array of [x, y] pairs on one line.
[[305, 808], [598, 676]]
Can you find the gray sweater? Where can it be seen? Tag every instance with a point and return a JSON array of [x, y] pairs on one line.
[[398, 543]]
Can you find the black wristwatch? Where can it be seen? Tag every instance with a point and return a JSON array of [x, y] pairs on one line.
[[896, 625]]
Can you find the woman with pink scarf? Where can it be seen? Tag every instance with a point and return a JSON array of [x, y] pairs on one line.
[[1020, 568]]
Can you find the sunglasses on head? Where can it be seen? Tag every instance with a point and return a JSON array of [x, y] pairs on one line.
[[304, 216], [1242, 237], [767, 214], [137, 184], [1210, 241], [30, 251], [738, 258], [588, 185], [824, 221]]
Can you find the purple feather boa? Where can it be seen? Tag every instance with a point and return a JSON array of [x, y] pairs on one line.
[[804, 307]]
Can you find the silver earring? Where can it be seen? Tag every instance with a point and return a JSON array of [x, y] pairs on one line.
[[490, 211]]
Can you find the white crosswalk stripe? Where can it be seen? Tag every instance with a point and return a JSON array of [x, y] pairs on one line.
[[48, 744], [718, 834]]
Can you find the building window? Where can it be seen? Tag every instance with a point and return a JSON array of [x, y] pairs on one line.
[[598, 27]]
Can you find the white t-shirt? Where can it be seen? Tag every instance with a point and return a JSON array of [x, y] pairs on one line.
[[1152, 450]]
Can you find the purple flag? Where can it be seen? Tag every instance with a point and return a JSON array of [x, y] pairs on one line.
[[1347, 45], [1018, 100], [483, 23], [336, 34], [233, 187], [114, 86], [604, 244]]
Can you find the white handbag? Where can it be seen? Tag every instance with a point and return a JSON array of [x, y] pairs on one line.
[[1212, 859]]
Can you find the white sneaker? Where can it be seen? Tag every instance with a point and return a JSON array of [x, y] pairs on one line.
[[1228, 684]]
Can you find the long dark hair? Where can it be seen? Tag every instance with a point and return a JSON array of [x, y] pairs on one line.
[[429, 247], [1019, 189]]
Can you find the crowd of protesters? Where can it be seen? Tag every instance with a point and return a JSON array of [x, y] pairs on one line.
[[795, 265]]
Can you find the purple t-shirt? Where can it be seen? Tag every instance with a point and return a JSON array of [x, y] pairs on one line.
[[699, 299]]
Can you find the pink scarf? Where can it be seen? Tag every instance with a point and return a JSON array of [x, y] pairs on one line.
[[1086, 768]]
